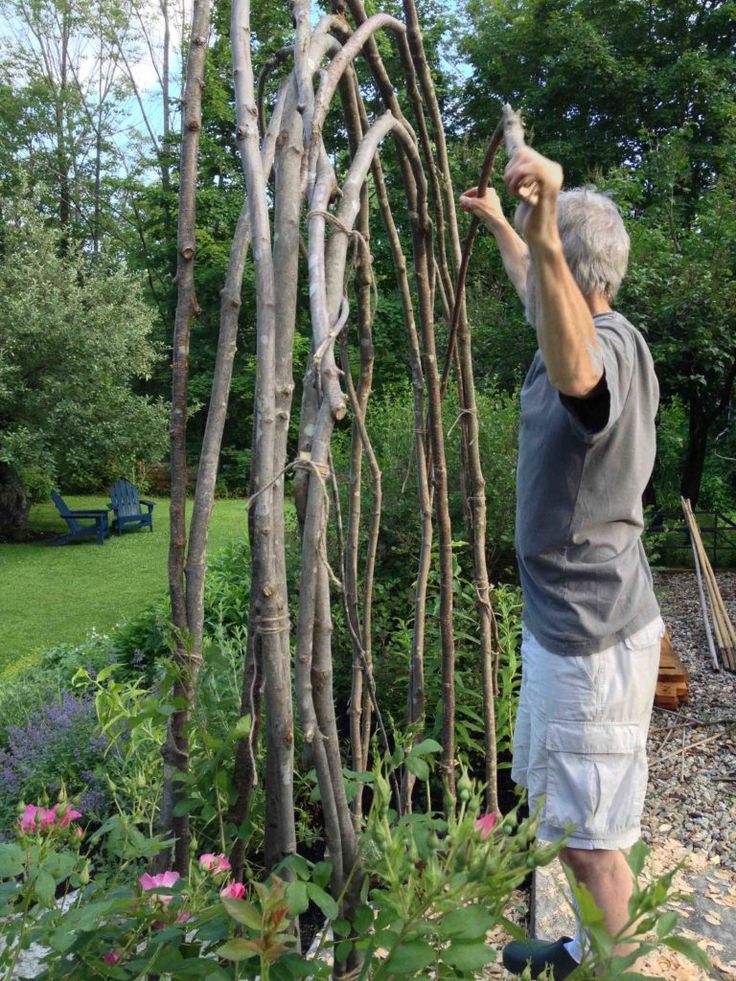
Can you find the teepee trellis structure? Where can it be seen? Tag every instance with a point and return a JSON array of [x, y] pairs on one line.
[[312, 212]]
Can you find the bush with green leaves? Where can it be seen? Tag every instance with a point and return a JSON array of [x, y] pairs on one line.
[[75, 340], [390, 423], [431, 889]]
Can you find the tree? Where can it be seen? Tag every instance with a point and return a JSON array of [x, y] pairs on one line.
[[597, 79], [74, 343], [639, 98], [682, 285]]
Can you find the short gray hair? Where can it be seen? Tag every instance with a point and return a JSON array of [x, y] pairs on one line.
[[594, 240]]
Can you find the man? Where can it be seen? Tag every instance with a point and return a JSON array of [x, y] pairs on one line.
[[591, 623]]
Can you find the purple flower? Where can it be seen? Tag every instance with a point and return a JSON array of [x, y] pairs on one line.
[[58, 743]]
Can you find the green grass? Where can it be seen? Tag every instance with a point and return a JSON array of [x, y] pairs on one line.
[[50, 596]]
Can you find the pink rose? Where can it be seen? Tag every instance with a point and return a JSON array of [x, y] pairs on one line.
[[67, 816], [27, 821], [485, 824], [149, 882], [214, 863], [236, 890], [37, 818]]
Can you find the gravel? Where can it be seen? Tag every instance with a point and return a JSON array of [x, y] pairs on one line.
[[692, 783]]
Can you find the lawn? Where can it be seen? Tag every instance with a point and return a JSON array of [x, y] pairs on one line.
[[56, 595]]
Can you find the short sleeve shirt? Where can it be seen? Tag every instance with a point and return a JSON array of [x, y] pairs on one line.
[[583, 466]]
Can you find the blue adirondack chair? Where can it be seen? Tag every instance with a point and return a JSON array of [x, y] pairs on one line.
[[82, 524], [126, 504]]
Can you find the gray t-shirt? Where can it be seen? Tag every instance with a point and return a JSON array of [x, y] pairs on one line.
[[583, 466]]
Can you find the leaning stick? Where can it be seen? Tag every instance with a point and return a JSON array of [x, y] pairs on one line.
[[485, 176], [725, 634], [703, 606]]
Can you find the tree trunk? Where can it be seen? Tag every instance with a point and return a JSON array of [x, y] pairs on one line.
[[14, 504], [176, 748], [697, 445]]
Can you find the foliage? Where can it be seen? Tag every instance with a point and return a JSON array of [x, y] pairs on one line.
[[432, 889], [58, 747], [74, 340], [595, 79], [648, 925], [507, 604], [390, 424]]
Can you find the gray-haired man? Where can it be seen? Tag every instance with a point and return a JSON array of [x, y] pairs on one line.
[[591, 623]]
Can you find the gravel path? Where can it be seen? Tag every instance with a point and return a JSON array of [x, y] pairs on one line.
[[692, 783]]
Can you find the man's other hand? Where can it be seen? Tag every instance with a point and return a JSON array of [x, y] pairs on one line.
[[486, 209], [537, 181]]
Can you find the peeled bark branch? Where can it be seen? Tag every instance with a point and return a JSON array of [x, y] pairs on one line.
[[269, 603], [175, 751]]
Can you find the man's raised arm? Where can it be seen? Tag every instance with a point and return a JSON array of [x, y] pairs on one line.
[[564, 317], [513, 249]]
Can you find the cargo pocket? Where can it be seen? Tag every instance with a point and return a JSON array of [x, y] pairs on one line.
[[648, 636], [596, 777]]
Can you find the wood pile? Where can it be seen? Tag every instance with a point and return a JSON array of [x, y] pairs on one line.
[[722, 637], [671, 691]]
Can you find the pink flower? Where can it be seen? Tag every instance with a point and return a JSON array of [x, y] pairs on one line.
[[37, 818], [149, 882], [184, 917], [112, 957], [44, 818], [47, 817], [214, 863], [27, 821], [67, 817], [236, 890], [485, 824]]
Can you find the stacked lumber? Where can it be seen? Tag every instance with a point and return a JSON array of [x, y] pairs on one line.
[[672, 679], [722, 636]]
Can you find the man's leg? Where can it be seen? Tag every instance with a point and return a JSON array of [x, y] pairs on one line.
[[609, 879], [586, 761]]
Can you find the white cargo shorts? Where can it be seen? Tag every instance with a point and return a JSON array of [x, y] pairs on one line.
[[580, 738]]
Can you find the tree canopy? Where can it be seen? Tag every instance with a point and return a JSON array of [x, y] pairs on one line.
[[74, 346]]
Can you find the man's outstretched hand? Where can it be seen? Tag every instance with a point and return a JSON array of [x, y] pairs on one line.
[[537, 181], [486, 209]]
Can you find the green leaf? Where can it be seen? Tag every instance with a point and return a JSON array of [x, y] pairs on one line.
[[690, 950], [418, 767], [468, 957], [243, 912], [590, 914], [325, 902], [62, 939], [667, 922], [186, 806], [321, 873], [242, 727], [636, 857], [409, 957], [238, 949], [45, 887], [296, 893], [59, 864], [362, 920], [11, 860], [342, 951], [425, 748], [468, 923]]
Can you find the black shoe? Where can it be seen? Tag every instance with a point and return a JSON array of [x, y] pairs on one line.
[[539, 954]]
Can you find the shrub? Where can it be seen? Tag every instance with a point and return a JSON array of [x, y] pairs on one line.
[[390, 423], [58, 747]]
